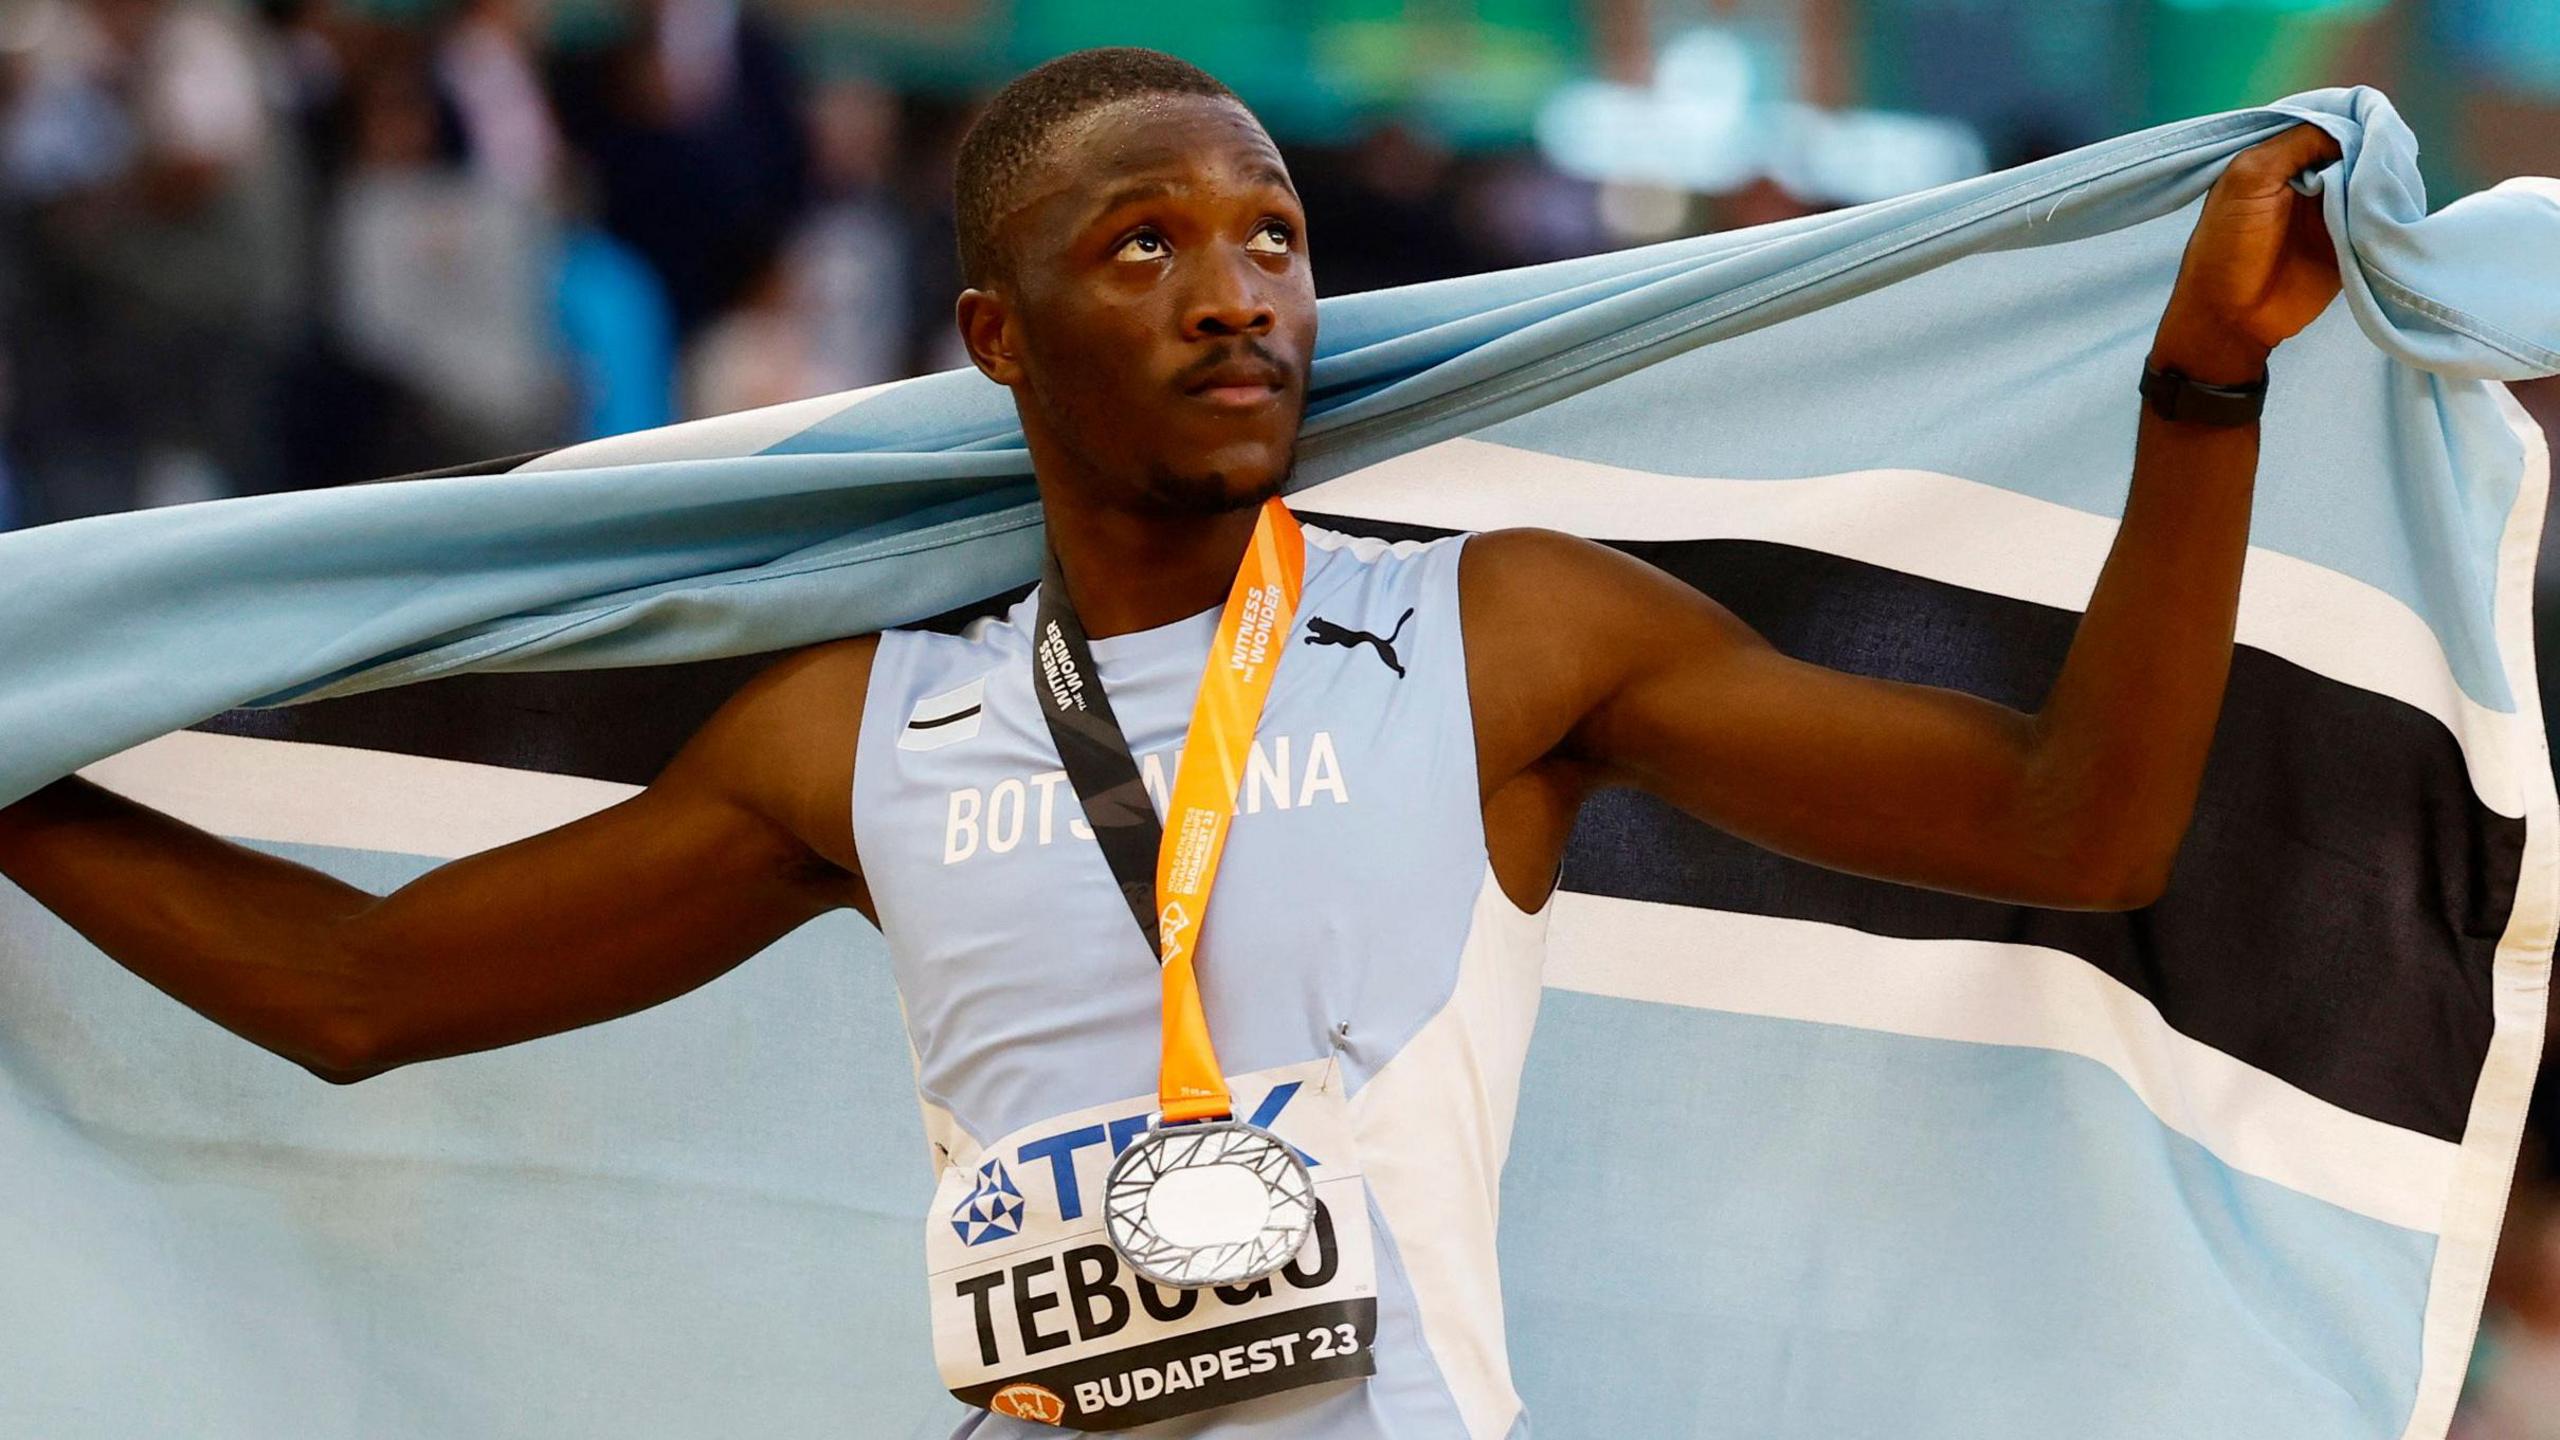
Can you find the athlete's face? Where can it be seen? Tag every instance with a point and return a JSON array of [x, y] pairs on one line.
[[1160, 314]]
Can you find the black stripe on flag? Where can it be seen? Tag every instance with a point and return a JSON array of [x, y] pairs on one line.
[[2336, 903], [2331, 920], [499, 466]]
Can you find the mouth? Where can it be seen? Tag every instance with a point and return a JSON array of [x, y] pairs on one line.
[[1239, 385], [1237, 397]]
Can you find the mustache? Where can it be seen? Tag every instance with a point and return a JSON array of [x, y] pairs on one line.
[[1246, 349]]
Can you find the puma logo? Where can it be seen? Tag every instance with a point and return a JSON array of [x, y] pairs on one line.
[[1325, 632]]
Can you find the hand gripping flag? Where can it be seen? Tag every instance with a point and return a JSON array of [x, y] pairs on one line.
[[1800, 1153]]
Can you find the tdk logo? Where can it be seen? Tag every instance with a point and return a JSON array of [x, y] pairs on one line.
[[1061, 1150], [993, 1211]]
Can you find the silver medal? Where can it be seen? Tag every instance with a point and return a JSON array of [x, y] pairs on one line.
[[1212, 1202]]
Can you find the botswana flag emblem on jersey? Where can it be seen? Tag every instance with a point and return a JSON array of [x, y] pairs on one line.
[[1800, 1154]]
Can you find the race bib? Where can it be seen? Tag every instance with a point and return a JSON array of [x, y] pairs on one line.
[[1037, 1317]]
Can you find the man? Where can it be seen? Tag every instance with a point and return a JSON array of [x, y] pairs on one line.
[[1139, 277], [160, 251]]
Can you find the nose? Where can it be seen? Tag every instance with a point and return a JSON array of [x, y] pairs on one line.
[[1227, 297]]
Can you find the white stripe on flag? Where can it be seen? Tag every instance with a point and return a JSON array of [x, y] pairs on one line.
[[299, 794], [1938, 527], [2519, 975], [719, 437], [1998, 993]]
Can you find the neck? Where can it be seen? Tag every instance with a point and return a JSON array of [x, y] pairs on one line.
[[1128, 571]]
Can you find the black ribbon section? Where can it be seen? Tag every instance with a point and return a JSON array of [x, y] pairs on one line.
[[1094, 750]]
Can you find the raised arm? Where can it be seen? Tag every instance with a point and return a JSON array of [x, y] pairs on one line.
[[745, 836], [2080, 805]]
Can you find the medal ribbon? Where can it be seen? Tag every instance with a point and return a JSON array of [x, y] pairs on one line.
[[1170, 903]]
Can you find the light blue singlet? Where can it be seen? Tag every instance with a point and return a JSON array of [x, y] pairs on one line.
[[1356, 912]]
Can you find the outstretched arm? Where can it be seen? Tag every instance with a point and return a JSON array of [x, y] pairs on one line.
[[740, 840], [2081, 804]]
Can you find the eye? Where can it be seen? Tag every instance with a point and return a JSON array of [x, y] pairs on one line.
[[1274, 227], [1136, 237]]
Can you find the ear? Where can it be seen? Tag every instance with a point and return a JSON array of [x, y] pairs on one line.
[[985, 318]]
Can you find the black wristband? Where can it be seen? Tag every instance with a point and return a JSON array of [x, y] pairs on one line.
[[2175, 395]]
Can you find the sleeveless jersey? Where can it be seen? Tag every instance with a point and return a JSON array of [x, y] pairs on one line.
[[1355, 917]]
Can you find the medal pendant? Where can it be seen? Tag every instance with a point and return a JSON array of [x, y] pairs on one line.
[[1208, 1202]]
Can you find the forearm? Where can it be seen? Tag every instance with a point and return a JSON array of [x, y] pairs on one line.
[[2122, 738], [244, 938]]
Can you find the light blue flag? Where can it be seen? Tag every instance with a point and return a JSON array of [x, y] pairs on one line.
[[1799, 1154]]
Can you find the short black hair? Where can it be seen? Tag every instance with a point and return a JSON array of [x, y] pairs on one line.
[[1008, 138]]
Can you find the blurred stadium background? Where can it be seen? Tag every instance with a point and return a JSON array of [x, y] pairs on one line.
[[248, 247]]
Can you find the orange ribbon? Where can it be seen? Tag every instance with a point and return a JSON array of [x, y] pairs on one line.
[[1262, 609]]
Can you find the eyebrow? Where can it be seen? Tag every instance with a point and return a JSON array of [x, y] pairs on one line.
[[1137, 190]]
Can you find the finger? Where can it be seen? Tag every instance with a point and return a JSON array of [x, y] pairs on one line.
[[2310, 234], [2304, 147]]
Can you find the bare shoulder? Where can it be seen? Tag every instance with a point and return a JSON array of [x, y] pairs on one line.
[[1548, 589], [783, 745], [1544, 597], [1535, 656], [1558, 625], [1532, 567]]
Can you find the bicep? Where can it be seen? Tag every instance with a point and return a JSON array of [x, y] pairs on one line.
[[619, 910], [610, 914], [1662, 688], [1899, 781]]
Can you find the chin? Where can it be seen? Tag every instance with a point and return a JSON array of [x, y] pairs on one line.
[[1207, 487]]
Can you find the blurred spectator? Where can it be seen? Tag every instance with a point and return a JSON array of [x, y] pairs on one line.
[[691, 119], [762, 352], [616, 330], [488, 68], [1762, 201], [932, 129], [153, 215], [828, 311], [306, 74], [848, 263], [1379, 215], [1521, 212], [441, 270]]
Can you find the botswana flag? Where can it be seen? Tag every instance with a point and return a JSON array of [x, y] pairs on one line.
[[1800, 1154]]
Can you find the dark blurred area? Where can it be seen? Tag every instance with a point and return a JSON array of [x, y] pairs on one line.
[[249, 247]]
